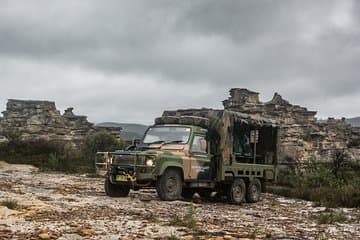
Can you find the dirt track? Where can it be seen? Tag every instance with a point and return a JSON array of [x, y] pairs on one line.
[[59, 206]]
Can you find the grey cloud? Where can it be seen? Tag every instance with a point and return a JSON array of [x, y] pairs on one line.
[[293, 47]]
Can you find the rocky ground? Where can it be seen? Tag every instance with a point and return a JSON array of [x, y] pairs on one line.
[[60, 206]]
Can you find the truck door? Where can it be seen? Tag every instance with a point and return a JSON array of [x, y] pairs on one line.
[[199, 160]]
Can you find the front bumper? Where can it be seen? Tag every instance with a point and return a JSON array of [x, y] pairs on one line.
[[131, 175]]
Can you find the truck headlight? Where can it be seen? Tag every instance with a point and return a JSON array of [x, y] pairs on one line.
[[150, 162]]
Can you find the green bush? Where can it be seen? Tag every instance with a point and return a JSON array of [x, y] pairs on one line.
[[10, 204], [329, 217], [188, 220], [322, 183], [58, 156], [12, 136], [98, 142], [101, 141]]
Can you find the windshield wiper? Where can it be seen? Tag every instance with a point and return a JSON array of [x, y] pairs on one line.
[[175, 141], [156, 142]]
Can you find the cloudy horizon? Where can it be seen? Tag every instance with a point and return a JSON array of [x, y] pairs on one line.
[[127, 61]]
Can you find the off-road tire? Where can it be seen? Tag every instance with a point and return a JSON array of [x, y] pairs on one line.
[[113, 190], [253, 192], [237, 191], [169, 185]]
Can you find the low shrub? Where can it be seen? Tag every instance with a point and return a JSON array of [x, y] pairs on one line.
[[58, 156], [329, 217], [188, 220], [100, 142], [10, 204], [321, 183]]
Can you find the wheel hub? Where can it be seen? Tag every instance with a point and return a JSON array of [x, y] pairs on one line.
[[171, 184], [238, 192]]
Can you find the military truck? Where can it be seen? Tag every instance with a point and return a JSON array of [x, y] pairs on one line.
[[187, 151]]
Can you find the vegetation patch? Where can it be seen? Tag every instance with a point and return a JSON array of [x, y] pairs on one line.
[[172, 237], [331, 184], [329, 217], [58, 156], [151, 217], [10, 204], [188, 220]]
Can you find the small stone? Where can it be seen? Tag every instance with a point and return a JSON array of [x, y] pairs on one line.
[[188, 237], [228, 237], [145, 197], [44, 236], [87, 232], [218, 238]]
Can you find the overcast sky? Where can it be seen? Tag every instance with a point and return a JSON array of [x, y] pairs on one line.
[[127, 61]]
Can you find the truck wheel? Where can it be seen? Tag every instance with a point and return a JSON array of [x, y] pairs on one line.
[[113, 190], [253, 192], [237, 191], [169, 185]]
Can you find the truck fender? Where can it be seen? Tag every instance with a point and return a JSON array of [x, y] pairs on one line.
[[171, 165]]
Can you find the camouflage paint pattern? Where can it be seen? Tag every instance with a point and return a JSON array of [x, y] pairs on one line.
[[180, 155], [196, 166]]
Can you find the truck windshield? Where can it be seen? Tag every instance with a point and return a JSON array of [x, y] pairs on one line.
[[167, 135]]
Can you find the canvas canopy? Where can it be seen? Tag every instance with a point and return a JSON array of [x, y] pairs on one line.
[[219, 123]]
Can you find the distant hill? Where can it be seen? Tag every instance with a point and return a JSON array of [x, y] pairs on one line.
[[129, 131], [355, 122]]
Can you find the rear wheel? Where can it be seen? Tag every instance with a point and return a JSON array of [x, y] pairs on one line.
[[113, 190], [236, 192], [169, 185], [253, 192]]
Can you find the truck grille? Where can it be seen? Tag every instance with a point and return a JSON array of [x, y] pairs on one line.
[[123, 159]]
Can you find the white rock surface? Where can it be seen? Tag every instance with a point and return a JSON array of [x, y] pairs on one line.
[[65, 206]]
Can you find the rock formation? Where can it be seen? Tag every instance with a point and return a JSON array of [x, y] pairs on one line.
[[34, 120], [302, 136]]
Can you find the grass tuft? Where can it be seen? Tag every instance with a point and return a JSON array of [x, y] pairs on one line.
[[329, 217], [10, 204], [188, 220], [321, 183], [172, 237], [151, 217]]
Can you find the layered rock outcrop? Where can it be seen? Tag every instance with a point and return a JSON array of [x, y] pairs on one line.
[[35, 120], [302, 137]]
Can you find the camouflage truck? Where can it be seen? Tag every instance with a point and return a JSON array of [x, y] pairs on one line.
[[187, 151]]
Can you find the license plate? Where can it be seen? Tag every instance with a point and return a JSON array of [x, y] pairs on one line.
[[121, 178]]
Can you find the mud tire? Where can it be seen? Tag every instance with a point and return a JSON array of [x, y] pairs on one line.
[[169, 185], [113, 190], [237, 191], [253, 192]]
